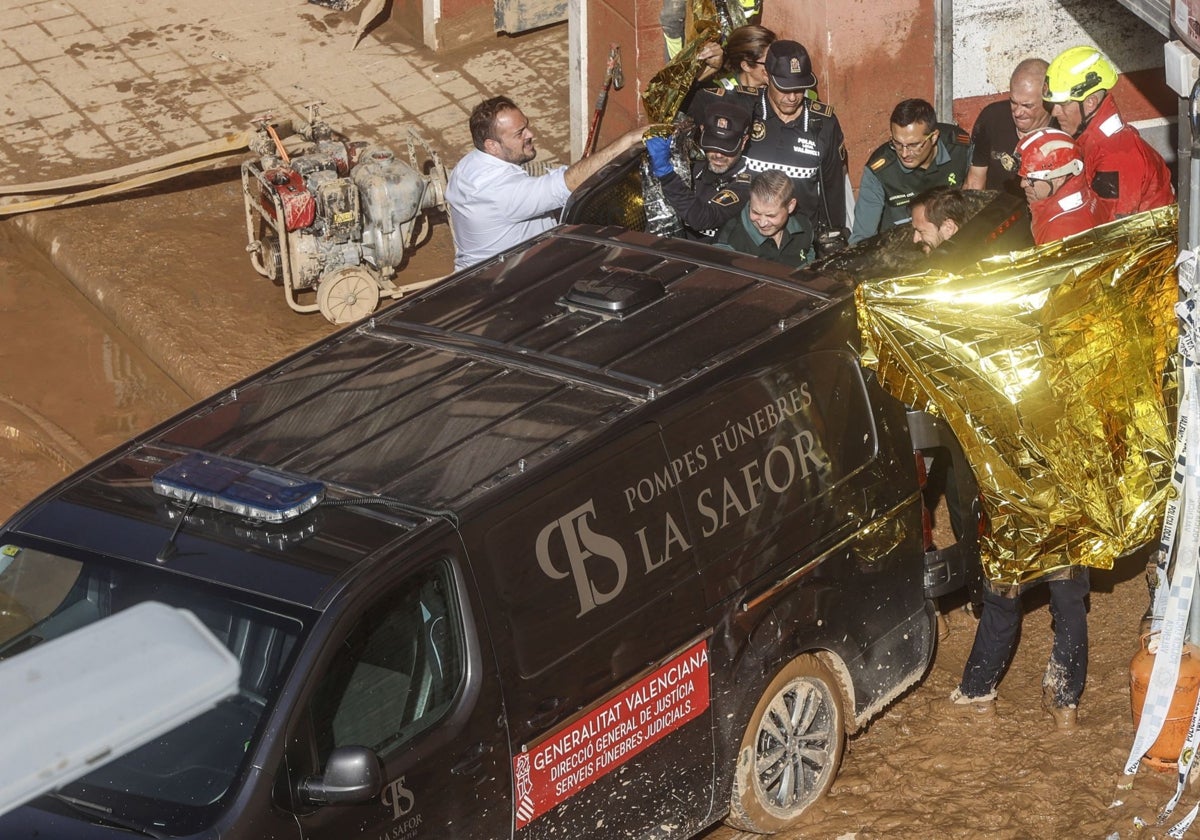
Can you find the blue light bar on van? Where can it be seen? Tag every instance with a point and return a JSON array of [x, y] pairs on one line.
[[236, 487]]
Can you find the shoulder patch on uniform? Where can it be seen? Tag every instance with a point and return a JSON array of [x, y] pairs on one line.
[[725, 198], [819, 107], [753, 91], [878, 164], [961, 137], [743, 177], [1107, 184]]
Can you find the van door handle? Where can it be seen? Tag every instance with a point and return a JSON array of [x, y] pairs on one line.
[[545, 712], [470, 762]]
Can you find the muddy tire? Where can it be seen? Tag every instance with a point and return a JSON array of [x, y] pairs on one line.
[[791, 750]]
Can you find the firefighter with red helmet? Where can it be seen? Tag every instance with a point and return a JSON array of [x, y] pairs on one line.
[[1126, 173], [1060, 200]]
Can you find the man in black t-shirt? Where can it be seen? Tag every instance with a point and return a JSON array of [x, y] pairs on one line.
[[1001, 125]]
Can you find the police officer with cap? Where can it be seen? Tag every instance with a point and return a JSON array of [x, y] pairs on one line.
[[721, 182], [798, 135]]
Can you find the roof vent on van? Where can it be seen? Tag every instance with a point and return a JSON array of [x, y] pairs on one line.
[[619, 292]]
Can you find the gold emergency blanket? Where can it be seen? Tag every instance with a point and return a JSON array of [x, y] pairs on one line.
[[1055, 369], [666, 91]]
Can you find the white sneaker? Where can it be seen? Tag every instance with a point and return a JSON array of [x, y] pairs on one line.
[[983, 705]]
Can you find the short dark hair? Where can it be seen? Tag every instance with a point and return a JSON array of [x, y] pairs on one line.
[[942, 204], [772, 185], [483, 119], [746, 43], [915, 110]]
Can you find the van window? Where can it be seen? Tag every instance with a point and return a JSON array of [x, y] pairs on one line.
[[398, 670], [179, 775]]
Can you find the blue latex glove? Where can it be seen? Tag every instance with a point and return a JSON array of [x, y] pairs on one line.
[[659, 150]]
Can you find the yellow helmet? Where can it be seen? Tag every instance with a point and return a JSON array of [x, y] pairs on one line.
[[1076, 74]]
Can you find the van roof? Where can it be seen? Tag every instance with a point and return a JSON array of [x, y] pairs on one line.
[[444, 396], [442, 393]]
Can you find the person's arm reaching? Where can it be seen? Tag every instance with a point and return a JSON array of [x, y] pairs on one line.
[[581, 170], [981, 150]]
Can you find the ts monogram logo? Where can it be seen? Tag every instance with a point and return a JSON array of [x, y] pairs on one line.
[[582, 544]]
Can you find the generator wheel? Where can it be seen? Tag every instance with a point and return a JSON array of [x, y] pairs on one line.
[[347, 294], [791, 749]]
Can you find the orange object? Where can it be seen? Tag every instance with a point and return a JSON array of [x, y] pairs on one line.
[[1163, 754]]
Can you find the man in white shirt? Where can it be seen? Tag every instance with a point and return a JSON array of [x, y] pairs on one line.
[[494, 203]]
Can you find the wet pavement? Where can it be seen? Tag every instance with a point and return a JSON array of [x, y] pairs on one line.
[[97, 85]]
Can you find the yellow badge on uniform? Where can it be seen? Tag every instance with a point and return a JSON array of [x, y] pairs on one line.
[[758, 131], [725, 198], [878, 164]]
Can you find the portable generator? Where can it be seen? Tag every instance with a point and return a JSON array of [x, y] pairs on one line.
[[337, 218]]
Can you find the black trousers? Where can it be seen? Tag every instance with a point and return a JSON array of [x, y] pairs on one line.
[[996, 637]]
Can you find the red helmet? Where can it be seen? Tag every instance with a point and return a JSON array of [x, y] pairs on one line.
[[1048, 153]]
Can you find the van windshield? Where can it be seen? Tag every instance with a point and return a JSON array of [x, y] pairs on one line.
[[176, 781]]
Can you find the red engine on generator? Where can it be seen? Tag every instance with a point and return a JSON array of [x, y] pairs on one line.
[[299, 207]]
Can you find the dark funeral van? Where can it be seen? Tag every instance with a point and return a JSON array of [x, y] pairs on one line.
[[608, 536]]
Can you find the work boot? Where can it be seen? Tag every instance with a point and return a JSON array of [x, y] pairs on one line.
[[1066, 716], [983, 705]]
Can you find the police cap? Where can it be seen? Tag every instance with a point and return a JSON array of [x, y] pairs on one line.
[[789, 66], [724, 127]]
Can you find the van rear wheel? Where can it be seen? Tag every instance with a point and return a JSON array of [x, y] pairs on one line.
[[791, 750]]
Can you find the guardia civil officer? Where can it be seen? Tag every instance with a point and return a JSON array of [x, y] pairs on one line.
[[720, 184], [921, 154]]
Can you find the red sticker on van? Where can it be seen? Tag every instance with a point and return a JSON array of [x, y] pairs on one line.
[[589, 748]]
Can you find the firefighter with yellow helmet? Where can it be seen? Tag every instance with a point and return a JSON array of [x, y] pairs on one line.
[[1126, 173]]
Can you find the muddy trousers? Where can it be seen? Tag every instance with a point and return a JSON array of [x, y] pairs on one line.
[[996, 638]]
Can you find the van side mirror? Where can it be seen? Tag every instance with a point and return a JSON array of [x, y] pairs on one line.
[[353, 775]]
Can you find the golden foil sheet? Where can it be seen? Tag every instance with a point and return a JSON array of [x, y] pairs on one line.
[[667, 89], [1055, 368]]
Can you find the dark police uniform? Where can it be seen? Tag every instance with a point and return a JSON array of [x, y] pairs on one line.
[[711, 201], [811, 150], [875, 211]]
